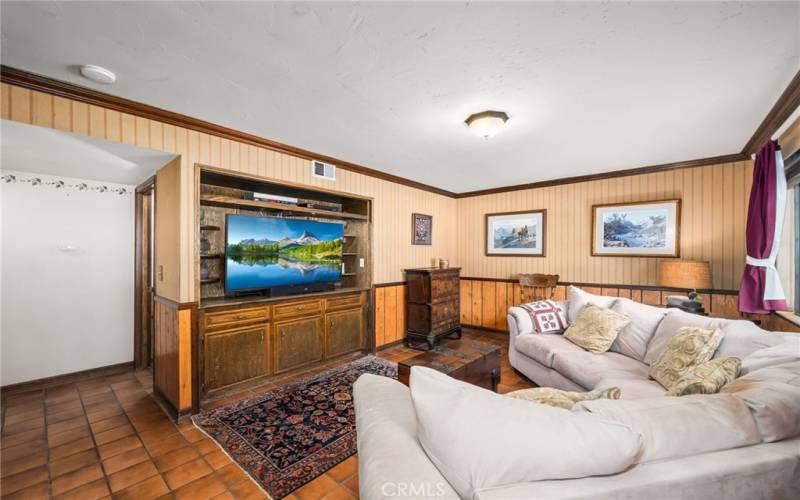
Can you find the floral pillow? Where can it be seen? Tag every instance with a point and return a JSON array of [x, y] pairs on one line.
[[547, 316], [707, 378], [688, 348], [563, 399], [595, 328]]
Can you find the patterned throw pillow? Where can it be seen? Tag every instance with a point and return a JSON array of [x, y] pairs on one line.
[[563, 399], [707, 378], [547, 316], [688, 348], [595, 328]]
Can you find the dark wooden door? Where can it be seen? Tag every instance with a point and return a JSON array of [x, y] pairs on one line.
[[344, 332], [233, 356], [298, 342]]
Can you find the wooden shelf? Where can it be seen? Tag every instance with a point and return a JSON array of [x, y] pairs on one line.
[[349, 274], [210, 228], [210, 256], [230, 201], [348, 254], [208, 281]]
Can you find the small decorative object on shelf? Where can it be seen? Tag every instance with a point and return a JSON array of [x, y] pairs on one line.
[[203, 270], [205, 245], [444, 263]]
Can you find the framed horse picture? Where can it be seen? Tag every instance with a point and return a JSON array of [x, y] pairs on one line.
[[517, 234]]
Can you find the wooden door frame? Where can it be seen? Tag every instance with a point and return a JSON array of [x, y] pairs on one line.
[[147, 188]]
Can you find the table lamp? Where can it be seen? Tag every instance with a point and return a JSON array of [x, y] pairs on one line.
[[689, 274]]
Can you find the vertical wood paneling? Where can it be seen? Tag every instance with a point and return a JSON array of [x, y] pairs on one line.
[[166, 377], [714, 211], [493, 298], [390, 314]]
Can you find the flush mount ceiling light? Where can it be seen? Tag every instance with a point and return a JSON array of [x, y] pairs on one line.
[[98, 74], [486, 123]]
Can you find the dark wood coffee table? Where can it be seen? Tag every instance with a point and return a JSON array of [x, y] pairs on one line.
[[467, 360]]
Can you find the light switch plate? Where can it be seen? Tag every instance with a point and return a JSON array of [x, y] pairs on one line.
[[361, 262]]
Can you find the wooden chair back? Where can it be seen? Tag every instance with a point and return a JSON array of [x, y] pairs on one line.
[[535, 287]]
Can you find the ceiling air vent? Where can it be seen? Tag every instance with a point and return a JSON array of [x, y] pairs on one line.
[[324, 170]]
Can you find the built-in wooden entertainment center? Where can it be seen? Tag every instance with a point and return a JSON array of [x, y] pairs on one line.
[[247, 339]]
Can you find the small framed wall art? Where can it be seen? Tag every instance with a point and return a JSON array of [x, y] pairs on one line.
[[641, 229], [422, 229], [516, 234]]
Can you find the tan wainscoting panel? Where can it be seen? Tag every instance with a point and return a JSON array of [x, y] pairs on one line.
[[391, 210], [390, 314], [714, 212]]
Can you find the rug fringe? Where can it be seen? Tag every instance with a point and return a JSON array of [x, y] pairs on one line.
[[258, 483]]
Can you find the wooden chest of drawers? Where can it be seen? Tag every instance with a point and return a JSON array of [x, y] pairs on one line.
[[432, 304]]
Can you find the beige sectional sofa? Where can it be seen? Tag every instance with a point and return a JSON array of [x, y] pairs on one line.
[[743, 443]]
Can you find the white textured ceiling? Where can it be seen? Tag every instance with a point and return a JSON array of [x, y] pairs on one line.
[[590, 87], [39, 150]]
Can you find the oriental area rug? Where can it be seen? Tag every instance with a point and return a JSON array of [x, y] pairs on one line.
[[288, 436]]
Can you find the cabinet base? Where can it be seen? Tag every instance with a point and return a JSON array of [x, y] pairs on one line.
[[417, 340]]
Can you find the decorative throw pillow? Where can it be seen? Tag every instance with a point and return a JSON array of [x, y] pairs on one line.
[[707, 378], [547, 316], [563, 399], [595, 328], [689, 347]]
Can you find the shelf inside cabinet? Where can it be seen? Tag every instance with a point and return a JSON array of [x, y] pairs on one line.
[[208, 281], [231, 201], [210, 256]]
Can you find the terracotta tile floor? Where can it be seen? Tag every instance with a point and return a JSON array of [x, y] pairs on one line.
[[106, 437]]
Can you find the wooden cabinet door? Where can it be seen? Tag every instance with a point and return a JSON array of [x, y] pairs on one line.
[[233, 356], [298, 342], [344, 332]]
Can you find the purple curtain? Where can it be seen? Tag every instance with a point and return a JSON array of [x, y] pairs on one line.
[[760, 290]]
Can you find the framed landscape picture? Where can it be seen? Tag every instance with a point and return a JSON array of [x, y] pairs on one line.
[[422, 229], [643, 229], [516, 233]]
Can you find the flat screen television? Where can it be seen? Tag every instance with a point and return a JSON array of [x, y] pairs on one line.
[[281, 255]]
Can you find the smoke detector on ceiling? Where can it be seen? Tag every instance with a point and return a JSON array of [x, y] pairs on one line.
[[323, 170], [98, 74]]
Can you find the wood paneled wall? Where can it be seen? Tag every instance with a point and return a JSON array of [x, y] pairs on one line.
[[484, 303], [392, 207], [714, 211], [390, 314], [166, 351]]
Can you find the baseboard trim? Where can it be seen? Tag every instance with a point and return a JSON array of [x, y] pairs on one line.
[[166, 405], [390, 345], [485, 329], [66, 378]]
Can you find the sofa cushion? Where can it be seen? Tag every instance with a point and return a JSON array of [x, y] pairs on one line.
[[632, 386], [779, 354], [669, 326], [679, 427], [596, 328], [522, 320], [773, 396], [562, 399], [489, 440], [687, 349], [547, 316], [577, 298], [587, 368], [387, 440], [707, 378], [544, 347], [743, 338], [633, 339]]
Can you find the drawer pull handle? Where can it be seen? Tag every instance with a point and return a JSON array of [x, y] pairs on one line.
[[240, 317]]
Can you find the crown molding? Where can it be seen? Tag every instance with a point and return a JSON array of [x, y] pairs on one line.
[[787, 103], [780, 112]]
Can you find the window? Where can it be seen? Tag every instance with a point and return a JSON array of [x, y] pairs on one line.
[[788, 262]]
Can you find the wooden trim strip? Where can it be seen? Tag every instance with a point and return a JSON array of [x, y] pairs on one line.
[[700, 162], [40, 83], [66, 378], [174, 304], [394, 283], [608, 285], [780, 112]]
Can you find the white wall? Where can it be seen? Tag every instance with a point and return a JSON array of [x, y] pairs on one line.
[[64, 312]]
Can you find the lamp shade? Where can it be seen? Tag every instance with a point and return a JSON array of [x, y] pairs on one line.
[[689, 274]]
